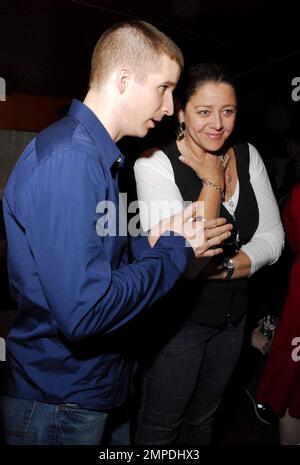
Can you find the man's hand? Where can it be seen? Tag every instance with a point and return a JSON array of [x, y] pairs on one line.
[[216, 231], [200, 234]]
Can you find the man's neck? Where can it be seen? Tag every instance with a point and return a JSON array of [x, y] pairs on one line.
[[101, 104]]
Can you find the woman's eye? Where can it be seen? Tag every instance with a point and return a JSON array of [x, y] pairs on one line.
[[228, 111], [203, 112]]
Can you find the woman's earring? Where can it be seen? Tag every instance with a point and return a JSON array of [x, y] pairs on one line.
[[180, 131]]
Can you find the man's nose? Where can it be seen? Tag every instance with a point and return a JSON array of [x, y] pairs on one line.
[[168, 105]]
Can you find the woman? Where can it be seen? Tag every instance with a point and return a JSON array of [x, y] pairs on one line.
[[280, 383], [197, 347]]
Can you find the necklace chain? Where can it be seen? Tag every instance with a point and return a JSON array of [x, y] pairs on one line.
[[228, 180]]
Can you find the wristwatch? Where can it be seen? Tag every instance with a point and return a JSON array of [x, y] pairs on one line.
[[229, 267]]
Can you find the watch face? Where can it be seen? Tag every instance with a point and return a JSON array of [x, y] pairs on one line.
[[229, 266], [228, 263]]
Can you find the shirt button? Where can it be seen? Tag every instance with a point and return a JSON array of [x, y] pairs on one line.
[[228, 291]]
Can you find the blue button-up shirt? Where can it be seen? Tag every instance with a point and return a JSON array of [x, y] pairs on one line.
[[73, 285]]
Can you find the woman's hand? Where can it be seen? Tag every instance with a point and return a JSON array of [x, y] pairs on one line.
[[209, 167]]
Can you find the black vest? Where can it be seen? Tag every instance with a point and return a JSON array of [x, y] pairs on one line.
[[216, 302]]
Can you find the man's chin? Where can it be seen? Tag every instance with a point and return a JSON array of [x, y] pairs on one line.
[[142, 133]]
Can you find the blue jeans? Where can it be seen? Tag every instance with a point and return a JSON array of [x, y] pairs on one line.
[[37, 423], [183, 386]]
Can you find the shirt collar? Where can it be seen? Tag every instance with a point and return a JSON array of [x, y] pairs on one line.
[[97, 131]]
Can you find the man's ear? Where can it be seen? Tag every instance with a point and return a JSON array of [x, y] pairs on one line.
[[123, 77]]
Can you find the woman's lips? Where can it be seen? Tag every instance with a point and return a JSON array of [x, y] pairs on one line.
[[214, 136]]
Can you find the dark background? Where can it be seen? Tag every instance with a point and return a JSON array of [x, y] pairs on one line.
[[46, 47]]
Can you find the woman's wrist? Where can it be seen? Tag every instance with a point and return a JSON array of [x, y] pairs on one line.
[[218, 180], [213, 185]]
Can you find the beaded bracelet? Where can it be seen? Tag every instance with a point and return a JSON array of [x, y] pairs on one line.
[[215, 186]]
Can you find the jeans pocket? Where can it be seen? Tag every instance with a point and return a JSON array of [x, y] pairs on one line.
[[80, 426], [14, 418]]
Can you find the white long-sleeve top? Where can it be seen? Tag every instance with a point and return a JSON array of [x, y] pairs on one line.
[[159, 197]]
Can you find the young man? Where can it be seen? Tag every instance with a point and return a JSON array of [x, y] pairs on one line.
[[74, 285]]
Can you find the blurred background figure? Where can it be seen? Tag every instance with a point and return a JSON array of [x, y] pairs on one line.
[[280, 383]]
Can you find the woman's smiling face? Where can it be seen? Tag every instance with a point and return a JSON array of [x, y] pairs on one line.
[[210, 115]]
